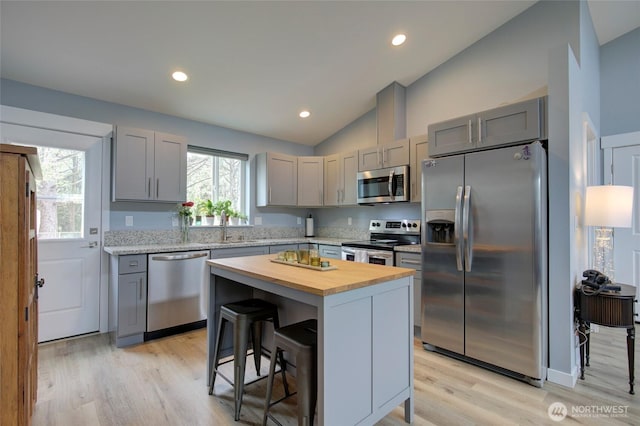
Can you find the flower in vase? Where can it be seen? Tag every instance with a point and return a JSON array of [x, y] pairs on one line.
[[184, 209]]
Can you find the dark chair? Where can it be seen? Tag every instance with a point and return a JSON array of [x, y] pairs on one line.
[[246, 318], [300, 341]]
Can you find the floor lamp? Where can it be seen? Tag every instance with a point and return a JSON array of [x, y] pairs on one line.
[[607, 207]]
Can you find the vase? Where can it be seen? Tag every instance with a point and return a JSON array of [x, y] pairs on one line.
[[184, 228]]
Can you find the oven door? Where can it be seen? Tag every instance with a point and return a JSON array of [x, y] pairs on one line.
[[349, 253], [380, 257], [376, 257]]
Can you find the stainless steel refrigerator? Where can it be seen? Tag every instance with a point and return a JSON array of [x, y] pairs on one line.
[[484, 258]]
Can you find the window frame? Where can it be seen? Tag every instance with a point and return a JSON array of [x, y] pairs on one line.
[[218, 153]]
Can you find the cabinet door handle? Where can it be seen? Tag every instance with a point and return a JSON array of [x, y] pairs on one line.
[[158, 188], [321, 197], [140, 287], [269, 195], [410, 261], [378, 156], [470, 133], [384, 161], [338, 196], [149, 189], [479, 130]]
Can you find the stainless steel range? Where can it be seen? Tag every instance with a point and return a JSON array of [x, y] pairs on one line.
[[384, 236]]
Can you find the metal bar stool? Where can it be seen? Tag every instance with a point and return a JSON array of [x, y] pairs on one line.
[[246, 317], [300, 340]]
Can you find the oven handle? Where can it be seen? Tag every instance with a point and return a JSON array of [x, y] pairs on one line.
[[348, 250], [380, 254], [391, 184]]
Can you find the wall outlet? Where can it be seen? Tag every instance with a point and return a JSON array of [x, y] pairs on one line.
[[349, 221], [128, 221], [299, 221], [257, 220]]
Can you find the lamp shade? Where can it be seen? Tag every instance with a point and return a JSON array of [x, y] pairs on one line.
[[609, 205]]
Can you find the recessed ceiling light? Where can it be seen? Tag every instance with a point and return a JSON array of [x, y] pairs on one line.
[[398, 39], [179, 76], [304, 114]]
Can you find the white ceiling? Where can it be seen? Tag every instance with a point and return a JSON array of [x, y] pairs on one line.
[[252, 65]]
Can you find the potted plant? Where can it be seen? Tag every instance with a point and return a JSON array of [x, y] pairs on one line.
[[223, 206], [235, 218], [207, 209]]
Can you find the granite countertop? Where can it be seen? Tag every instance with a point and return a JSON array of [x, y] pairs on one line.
[[347, 276], [165, 248]]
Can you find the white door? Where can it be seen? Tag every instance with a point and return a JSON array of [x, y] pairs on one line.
[[626, 260], [69, 219]]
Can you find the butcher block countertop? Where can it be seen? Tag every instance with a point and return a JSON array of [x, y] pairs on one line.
[[347, 276]]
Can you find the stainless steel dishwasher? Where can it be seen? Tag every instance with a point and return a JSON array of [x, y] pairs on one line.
[[178, 284]]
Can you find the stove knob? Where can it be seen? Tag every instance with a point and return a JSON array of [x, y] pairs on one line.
[[415, 225], [404, 225]]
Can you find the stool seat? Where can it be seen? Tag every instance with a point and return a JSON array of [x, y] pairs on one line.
[[246, 316], [300, 340]]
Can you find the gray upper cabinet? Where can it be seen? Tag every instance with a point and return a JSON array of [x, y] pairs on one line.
[[524, 121], [340, 175], [388, 155], [276, 179], [419, 150], [310, 181], [149, 166]]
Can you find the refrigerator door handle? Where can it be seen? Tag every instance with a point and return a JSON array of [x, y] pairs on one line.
[[457, 229], [466, 229]]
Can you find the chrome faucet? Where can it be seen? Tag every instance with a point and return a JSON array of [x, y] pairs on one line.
[[223, 223]]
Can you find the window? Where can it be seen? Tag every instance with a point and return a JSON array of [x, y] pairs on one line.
[[217, 175], [60, 198]]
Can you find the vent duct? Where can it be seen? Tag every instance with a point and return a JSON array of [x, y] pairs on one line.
[[391, 119]]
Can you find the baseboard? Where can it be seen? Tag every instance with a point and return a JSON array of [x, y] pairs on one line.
[[562, 378]]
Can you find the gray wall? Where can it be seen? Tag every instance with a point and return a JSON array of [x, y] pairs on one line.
[[153, 215], [620, 84]]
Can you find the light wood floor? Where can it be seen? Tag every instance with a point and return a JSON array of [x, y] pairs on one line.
[[87, 381]]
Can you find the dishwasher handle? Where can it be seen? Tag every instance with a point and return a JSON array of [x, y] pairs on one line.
[[180, 256]]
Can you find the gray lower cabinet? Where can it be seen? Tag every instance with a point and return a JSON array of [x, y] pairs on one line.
[[129, 293], [413, 261], [332, 252], [238, 252], [282, 247]]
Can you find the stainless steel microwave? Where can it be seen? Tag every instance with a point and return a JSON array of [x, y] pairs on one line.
[[390, 185]]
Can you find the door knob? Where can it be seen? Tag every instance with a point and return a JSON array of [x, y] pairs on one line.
[[92, 244]]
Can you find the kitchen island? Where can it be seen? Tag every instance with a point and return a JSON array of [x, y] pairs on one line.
[[365, 328]]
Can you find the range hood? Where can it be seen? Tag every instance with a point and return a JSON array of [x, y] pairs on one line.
[[391, 119]]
